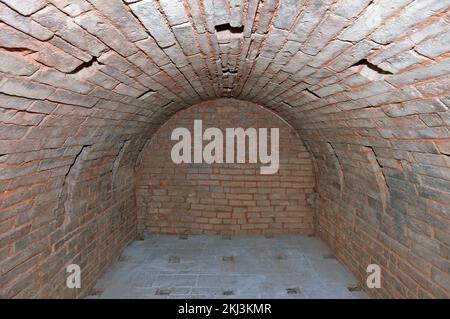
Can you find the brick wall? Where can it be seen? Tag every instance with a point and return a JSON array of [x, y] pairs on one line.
[[224, 198], [79, 209], [365, 83]]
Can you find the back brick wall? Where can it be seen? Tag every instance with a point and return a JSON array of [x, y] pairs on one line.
[[224, 198]]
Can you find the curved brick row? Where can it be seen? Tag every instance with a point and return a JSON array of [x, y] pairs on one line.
[[84, 84]]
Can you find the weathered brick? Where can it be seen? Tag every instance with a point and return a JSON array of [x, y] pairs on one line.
[[402, 61], [413, 14], [352, 55], [61, 80], [419, 74], [175, 53], [57, 22], [390, 51], [444, 147], [414, 107], [14, 102], [373, 89], [185, 35], [128, 90], [286, 13], [15, 64], [236, 12], [26, 8], [326, 31], [70, 49], [53, 57], [430, 30], [219, 12], [12, 132], [23, 24], [351, 8], [68, 97], [174, 11], [150, 47], [42, 107], [120, 16], [72, 7], [436, 87], [94, 75], [153, 20], [25, 88], [116, 61], [274, 42], [13, 39], [328, 53], [99, 27], [372, 18], [435, 46]]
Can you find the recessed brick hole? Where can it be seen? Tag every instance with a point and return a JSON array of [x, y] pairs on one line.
[[372, 66], [228, 27], [293, 291], [281, 256], [228, 292], [228, 258], [269, 235], [183, 236], [140, 237], [162, 291], [226, 236], [354, 287], [174, 259], [329, 256]]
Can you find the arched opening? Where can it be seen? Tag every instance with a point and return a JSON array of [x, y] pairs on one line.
[[225, 197], [362, 86]]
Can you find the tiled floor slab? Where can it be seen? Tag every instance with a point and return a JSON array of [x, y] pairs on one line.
[[285, 266]]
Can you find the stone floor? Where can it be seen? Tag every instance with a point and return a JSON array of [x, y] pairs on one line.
[[290, 266]]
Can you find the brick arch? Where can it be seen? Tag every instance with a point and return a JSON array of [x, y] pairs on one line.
[[90, 188], [369, 97]]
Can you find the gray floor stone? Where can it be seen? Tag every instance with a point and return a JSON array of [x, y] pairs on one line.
[[285, 266]]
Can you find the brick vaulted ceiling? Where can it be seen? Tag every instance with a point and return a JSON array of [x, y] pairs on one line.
[[363, 82], [305, 59], [311, 61]]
